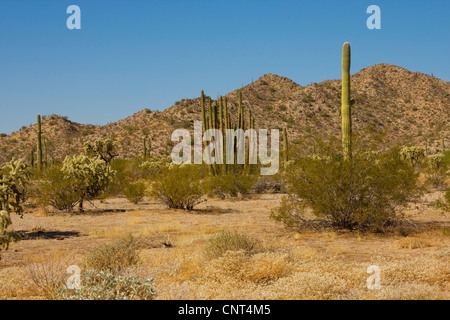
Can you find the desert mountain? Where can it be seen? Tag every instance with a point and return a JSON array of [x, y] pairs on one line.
[[409, 107]]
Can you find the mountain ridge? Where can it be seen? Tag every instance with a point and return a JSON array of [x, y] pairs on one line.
[[410, 107]]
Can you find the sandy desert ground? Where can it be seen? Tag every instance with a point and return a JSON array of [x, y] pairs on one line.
[[289, 264]]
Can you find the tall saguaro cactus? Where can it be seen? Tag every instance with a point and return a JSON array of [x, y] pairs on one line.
[[39, 143], [346, 103], [144, 153]]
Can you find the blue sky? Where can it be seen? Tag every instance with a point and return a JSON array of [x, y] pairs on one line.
[[136, 54]]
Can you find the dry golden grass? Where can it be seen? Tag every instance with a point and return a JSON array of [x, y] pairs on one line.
[[287, 264]]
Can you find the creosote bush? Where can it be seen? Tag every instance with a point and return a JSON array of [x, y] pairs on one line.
[[229, 241], [135, 192], [365, 192], [57, 190], [115, 256], [179, 186], [229, 185]]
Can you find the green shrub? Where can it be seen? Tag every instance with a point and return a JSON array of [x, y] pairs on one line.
[[57, 190], [135, 192], [115, 256], [229, 241], [267, 184], [179, 186], [447, 196], [366, 192], [229, 185], [106, 285]]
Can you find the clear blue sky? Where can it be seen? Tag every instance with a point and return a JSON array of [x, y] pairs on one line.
[[136, 54]]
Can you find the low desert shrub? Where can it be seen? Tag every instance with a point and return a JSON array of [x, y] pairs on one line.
[[135, 192], [266, 267], [115, 256], [106, 285], [225, 241], [179, 186], [362, 193], [229, 185], [46, 277], [57, 190], [266, 184], [414, 243]]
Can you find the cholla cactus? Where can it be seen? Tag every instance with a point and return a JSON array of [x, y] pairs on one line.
[[435, 161], [105, 149], [414, 155], [154, 167], [92, 175], [13, 177]]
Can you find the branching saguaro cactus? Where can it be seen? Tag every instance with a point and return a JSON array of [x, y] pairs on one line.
[[39, 143], [346, 103]]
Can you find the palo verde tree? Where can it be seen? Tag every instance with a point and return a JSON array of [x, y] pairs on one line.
[[13, 178]]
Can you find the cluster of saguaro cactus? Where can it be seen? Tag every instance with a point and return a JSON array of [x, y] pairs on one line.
[[39, 143], [346, 111], [217, 116]]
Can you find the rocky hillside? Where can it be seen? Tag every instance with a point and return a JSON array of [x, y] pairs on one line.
[[409, 107]]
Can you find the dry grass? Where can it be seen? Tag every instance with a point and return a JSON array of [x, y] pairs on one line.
[[287, 264]]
